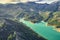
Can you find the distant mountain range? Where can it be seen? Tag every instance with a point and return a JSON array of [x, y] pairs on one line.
[[20, 9], [30, 11]]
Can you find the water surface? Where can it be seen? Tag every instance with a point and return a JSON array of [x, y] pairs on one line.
[[42, 29]]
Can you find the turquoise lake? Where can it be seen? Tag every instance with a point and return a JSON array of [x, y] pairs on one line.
[[42, 29]]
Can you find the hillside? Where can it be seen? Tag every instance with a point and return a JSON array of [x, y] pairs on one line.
[[10, 14], [12, 30]]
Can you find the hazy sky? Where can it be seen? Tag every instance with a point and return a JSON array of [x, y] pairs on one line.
[[40, 1]]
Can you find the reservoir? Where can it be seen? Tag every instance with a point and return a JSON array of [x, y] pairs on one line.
[[42, 29]]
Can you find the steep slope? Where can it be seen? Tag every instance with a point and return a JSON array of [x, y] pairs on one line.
[[12, 30], [28, 7], [30, 11]]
